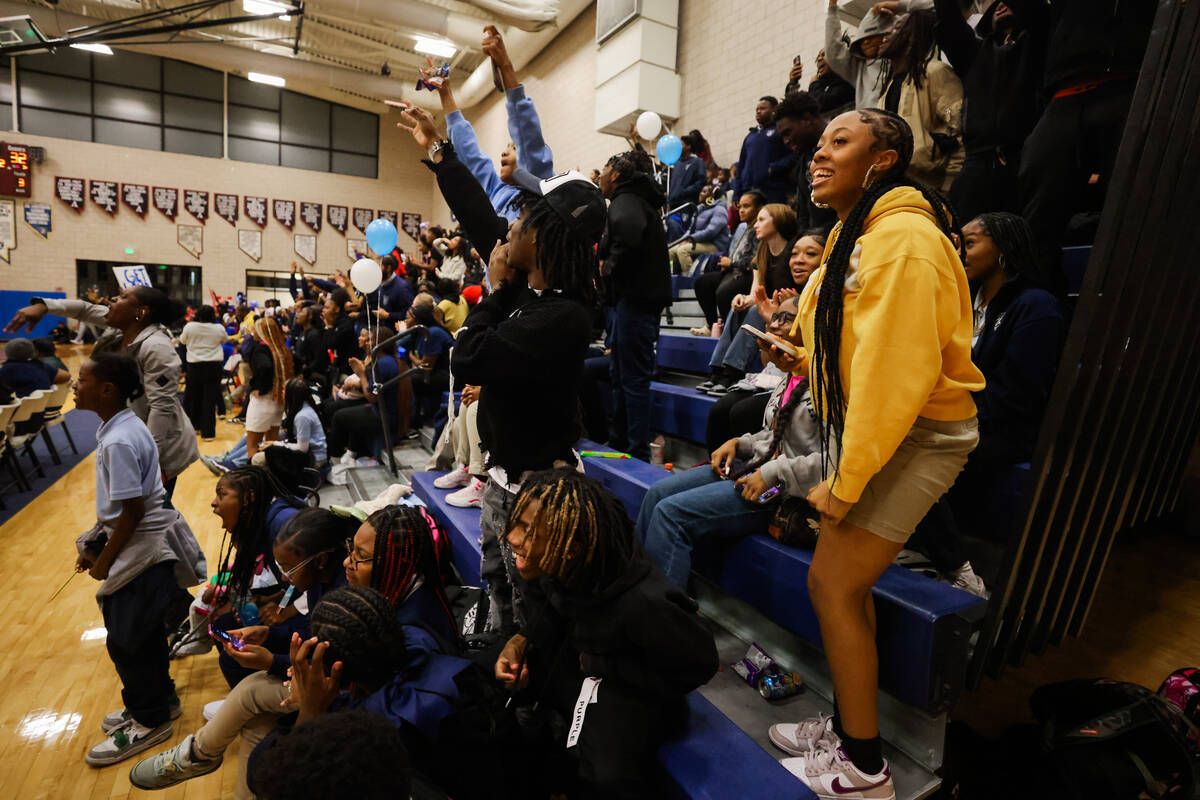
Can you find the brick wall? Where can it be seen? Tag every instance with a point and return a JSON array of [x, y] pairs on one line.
[[37, 264]]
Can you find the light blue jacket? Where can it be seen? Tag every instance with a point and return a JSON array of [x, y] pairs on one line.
[[525, 129], [711, 224]]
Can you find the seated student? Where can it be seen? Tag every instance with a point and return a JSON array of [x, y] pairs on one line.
[[452, 307], [302, 425], [142, 553], [740, 410], [1017, 340], [45, 354], [395, 552], [306, 551], [603, 618], [353, 430], [708, 233], [432, 356], [24, 372], [715, 290], [722, 498]]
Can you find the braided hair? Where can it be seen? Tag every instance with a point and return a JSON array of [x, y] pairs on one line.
[[250, 537], [1014, 239], [312, 531], [589, 539], [566, 259], [629, 162], [891, 132], [920, 45], [268, 330], [406, 548], [363, 633]]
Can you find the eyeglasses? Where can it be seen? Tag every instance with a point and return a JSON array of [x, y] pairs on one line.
[[354, 562], [288, 573], [782, 317]]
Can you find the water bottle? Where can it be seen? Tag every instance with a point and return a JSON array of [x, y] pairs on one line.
[[248, 614]]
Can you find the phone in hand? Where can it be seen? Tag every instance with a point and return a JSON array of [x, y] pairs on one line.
[[771, 340], [797, 60], [224, 636]]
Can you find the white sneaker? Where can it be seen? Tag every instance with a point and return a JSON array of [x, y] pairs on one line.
[[965, 578], [127, 740], [456, 478], [830, 773], [470, 497], [800, 738], [211, 709], [347, 459]]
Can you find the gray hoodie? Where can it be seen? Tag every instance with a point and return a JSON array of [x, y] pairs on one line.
[[798, 465], [866, 74]]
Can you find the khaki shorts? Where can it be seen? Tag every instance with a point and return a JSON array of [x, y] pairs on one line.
[[923, 467]]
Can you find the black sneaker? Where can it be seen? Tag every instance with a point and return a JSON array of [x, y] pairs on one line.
[[708, 384]]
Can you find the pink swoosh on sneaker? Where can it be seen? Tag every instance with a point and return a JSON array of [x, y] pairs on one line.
[[838, 787]]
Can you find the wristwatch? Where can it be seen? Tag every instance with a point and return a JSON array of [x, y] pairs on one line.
[[437, 147]]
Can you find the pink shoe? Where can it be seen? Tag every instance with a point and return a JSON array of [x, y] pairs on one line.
[[830, 773], [470, 497], [454, 479]]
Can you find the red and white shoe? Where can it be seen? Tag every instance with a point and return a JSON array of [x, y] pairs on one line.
[[800, 738], [830, 773], [469, 497], [454, 479]]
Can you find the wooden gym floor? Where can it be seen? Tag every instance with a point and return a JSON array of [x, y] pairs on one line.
[[58, 681]]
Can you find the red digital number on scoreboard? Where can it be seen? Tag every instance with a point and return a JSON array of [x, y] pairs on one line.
[[14, 170]]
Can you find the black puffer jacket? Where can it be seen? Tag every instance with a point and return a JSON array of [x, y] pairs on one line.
[[634, 248]]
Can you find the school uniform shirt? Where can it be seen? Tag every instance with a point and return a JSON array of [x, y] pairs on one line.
[[308, 429], [205, 341], [26, 377], [437, 345], [380, 371]]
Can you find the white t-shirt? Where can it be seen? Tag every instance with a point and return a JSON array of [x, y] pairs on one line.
[[204, 341], [126, 466]]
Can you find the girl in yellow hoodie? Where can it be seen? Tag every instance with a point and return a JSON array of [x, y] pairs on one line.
[[886, 325]]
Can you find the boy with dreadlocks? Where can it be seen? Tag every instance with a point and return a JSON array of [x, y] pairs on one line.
[[524, 345], [886, 324], [605, 628]]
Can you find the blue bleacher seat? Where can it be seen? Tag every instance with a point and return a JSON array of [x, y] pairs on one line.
[[627, 478], [679, 411], [680, 282], [461, 524], [685, 353], [1075, 261]]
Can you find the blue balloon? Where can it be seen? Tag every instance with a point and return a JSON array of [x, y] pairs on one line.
[[381, 236], [669, 149]]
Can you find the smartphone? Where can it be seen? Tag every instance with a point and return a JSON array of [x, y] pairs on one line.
[[798, 60], [224, 636], [772, 340]]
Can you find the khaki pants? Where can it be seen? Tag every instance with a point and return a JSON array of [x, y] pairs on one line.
[[252, 709], [685, 251], [465, 436]]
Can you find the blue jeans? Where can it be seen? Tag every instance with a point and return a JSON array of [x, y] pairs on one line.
[[634, 335], [736, 349], [684, 509], [237, 455]]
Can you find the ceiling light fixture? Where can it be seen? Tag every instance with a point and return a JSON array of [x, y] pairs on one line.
[[435, 47], [103, 49], [267, 7], [270, 80]]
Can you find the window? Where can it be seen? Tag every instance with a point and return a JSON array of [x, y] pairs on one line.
[[182, 283], [144, 101]]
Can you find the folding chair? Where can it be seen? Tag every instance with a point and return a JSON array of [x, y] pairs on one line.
[[30, 412], [52, 415], [6, 451]]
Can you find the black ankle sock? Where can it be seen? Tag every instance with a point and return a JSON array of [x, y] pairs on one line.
[[866, 754]]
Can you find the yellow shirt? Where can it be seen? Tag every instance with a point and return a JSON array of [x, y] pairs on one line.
[[454, 314], [906, 334]]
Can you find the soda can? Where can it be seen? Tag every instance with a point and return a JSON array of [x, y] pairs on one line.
[[779, 685]]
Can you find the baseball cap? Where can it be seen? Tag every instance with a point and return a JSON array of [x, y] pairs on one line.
[[576, 200]]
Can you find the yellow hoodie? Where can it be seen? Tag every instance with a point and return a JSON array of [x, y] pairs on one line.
[[906, 334]]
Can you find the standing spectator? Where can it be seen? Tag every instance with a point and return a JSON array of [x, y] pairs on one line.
[[205, 340], [393, 297], [452, 307], [708, 233], [638, 281], [687, 176], [716, 290], [701, 147], [799, 122], [832, 92], [928, 95], [340, 337], [765, 160], [1092, 65], [308, 345], [431, 356], [271, 369], [857, 62]]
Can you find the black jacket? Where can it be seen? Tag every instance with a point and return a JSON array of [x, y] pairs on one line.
[[1017, 352], [469, 203], [831, 91], [642, 631], [1002, 83], [262, 369], [308, 347], [634, 247], [1094, 38], [343, 341]]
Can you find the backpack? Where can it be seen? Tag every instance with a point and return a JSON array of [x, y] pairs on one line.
[[1182, 690], [1105, 739]]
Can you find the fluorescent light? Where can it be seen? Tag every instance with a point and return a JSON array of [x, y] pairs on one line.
[[270, 80], [435, 47], [266, 7], [103, 49]]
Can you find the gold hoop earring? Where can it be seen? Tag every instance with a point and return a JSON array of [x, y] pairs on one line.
[[816, 202], [867, 177]]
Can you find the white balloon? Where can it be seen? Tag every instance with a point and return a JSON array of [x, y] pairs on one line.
[[649, 125], [366, 275]]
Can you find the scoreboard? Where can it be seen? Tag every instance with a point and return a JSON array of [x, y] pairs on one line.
[[14, 170]]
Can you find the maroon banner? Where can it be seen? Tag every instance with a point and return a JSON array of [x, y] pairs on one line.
[[71, 191], [167, 201], [106, 195], [410, 223], [226, 207], [390, 216], [256, 210], [363, 217], [338, 217], [311, 214], [196, 203], [285, 213], [137, 197]]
